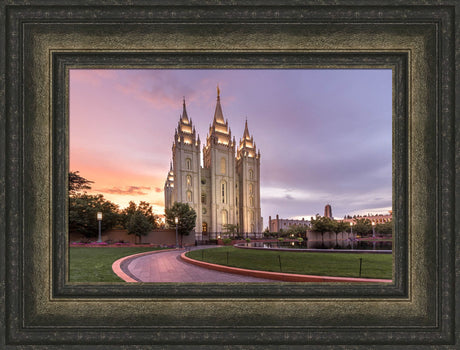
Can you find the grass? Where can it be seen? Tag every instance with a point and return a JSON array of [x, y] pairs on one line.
[[321, 264], [95, 264]]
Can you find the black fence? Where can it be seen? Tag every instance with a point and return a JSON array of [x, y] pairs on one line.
[[212, 237]]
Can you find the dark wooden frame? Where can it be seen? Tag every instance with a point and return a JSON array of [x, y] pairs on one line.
[[43, 39]]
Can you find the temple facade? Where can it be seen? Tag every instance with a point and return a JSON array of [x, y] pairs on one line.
[[226, 189]]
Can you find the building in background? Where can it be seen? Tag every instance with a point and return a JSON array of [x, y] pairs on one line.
[[377, 218], [226, 190], [278, 224], [275, 225]]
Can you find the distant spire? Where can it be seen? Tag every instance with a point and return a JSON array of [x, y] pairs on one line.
[[184, 113], [218, 92]]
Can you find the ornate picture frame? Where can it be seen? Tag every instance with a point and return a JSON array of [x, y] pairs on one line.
[[41, 41]]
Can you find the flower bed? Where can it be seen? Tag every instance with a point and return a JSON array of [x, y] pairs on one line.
[[105, 244]]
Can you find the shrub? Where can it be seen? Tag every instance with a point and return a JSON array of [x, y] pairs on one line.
[[227, 241], [248, 240]]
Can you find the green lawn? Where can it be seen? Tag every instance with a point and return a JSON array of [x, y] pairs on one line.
[[322, 264], [95, 264]]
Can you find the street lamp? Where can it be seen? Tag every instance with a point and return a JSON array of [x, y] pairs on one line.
[[373, 229], [351, 228], [99, 219], [176, 220]]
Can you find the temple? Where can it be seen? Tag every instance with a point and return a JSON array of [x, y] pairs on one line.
[[226, 190]]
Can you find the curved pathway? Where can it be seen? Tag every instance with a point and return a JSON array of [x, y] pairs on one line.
[[168, 267]]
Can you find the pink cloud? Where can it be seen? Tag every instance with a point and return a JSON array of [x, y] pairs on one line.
[[130, 190]]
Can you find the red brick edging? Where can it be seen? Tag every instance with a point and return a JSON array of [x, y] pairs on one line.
[[286, 277], [116, 266]]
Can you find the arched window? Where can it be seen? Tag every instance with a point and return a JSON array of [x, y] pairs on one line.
[[189, 196], [188, 164], [224, 192], [252, 228], [224, 217], [189, 180], [251, 201], [251, 216], [203, 198], [223, 166], [205, 227], [251, 174], [251, 188]]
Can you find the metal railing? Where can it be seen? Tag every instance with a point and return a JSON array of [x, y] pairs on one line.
[[213, 236]]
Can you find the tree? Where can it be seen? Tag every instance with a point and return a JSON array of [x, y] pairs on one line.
[[342, 226], [297, 230], [230, 229], [78, 183], [323, 224], [362, 226], [83, 209], [186, 215], [385, 228], [145, 208], [139, 225]]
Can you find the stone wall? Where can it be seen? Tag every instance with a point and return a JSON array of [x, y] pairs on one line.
[[156, 237], [316, 236]]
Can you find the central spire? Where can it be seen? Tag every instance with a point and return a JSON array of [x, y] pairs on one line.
[[219, 131], [246, 135], [184, 113], [218, 116]]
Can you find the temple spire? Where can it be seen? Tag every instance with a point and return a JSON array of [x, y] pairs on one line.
[[218, 116], [247, 144], [184, 113], [246, 135]]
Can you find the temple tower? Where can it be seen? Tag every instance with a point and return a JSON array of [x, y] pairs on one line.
[[248, 170], [219, 165], [186, 168]]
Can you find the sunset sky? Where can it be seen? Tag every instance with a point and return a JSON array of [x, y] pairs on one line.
[[324, 135]]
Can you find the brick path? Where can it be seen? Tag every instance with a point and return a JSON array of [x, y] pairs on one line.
[[168, 267]]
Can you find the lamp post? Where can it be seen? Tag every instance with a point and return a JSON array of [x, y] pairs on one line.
[[373, 229], [176, 220], [99, 219], [351, 231]]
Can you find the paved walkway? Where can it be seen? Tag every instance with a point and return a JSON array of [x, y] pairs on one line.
[[168, 267]]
